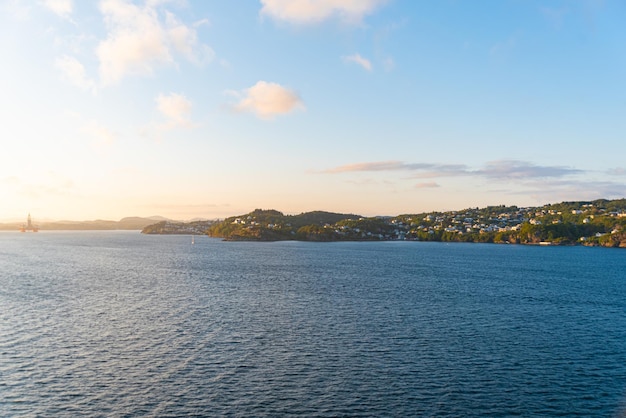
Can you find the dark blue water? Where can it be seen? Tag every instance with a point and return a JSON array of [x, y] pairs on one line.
[[124, 324]]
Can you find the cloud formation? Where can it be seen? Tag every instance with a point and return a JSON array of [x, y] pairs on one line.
[[184, 39], [176, 108], [397, 166], [138, 41], [500, 169], [267, 100], [513, 169], [358, 59], [539, 182], [315, 11], [62, 8]]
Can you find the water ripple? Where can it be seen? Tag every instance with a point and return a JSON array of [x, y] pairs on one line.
[[120, 324]]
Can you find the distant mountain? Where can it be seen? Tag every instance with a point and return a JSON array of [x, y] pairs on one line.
[[10, 226], [134, 223], [129, 223], [158, 218]]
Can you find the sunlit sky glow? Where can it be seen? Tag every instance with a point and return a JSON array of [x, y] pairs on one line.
[[187, 108]]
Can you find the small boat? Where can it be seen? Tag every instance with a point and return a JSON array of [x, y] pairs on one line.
[[192, 240]]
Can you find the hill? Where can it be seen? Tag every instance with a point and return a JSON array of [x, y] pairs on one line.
[[272, 225], [198, 227], [599, 222]]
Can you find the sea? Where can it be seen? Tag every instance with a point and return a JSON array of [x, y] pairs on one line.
[[120, 324]]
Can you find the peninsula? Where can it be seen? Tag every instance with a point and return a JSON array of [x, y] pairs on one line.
[[595, 223]]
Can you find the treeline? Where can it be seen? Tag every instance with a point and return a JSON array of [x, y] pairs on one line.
[[559, 234], [174, 228], [272, 225]]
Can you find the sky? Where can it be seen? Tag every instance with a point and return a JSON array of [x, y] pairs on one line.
[[210, 108]]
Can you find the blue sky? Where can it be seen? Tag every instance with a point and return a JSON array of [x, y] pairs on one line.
[[191, 109]]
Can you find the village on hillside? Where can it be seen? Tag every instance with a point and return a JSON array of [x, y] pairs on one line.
[[600, 222]]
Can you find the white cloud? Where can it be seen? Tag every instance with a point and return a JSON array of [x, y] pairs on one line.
[[184, 39], [358, 59], [138, 41], [269, 99], [315, 11], [74, 72], [62, 8], [176, 108], [202, 22]]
